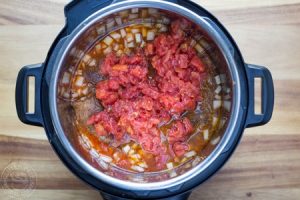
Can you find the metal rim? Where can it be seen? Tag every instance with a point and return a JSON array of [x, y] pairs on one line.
[[218, 37]]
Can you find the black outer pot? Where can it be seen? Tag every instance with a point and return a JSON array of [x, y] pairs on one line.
[[76, 12]]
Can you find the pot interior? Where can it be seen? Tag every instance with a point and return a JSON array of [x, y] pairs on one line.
[[122, 32]]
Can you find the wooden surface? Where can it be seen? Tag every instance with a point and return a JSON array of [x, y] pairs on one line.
[[266, 164]]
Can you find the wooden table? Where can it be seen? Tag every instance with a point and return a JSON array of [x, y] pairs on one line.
[[266, 164]]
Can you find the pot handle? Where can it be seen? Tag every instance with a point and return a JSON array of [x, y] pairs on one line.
[[21, 95], [267, 95]]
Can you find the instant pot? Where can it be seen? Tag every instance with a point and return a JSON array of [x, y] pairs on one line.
[[88, 21]]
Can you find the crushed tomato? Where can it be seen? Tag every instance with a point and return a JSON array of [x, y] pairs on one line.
[[136, 104]]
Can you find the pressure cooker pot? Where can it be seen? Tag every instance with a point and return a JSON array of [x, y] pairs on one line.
[[69, 91]]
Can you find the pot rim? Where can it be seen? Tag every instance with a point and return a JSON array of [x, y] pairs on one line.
[[223, 44]]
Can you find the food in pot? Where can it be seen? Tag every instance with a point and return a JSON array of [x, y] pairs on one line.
[[157, 104]]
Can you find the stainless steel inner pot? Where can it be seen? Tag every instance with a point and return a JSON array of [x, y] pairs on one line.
[[218, 54]]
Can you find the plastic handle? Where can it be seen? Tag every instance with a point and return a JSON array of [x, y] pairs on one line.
[[267, 95], [22, 95]]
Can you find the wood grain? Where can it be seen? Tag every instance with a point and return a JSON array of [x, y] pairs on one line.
[[266, 164]]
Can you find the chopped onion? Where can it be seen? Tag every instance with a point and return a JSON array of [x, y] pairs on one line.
[[133, 16], [199, 48], [73, 51], [108, 40], [136, 156], [135, 30], [86, 58], [183, 160], [218, 97], [131, 45], [152, 11], [143, 44], [215, 140], [227, 90], [149, 25], [134, 10], [66, 95], [163, 29], [206, 134], [79, 81], [131, 152], [138, 38], [190, 154], [102, 164], [144, 13], [124, 13], [84, 141], [227, 97], [94, 154], [159, 21], [98, 48], [116, 36], [137, 168], [217, 104], [123, 33], [150, 35], [79, 72], [173, 174], [215, 121], [106, 158], [196, 161], [222, 122], [227, 105], [187, 166], [218, 89], [170, 165], [129, 37], [125, 44], [158, 25], [126, 149], [85, 91], [116, 47], [118, 20], [101, 30], [116, 156], [166, 20], [66, 78], [223, 78], [119, 52], [75, 95], [218, 79], [110, 23], [143, 165], [107, 50], [80, 54], [193, 43]]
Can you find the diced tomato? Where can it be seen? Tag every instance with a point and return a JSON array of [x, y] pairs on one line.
[[180, 148], [137, 103], [120, 68], [149, 50], [100, 129], [196, 62], [124, 163]]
